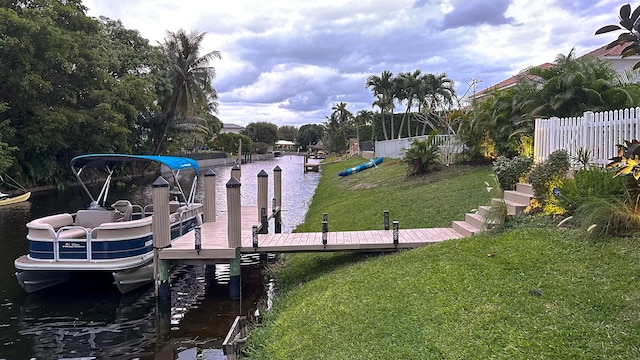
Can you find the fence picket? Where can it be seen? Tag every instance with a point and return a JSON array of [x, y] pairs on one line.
[[597, 132]]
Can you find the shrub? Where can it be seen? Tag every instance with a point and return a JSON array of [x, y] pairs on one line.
[[590, 182], [422, 156], [611, 217], [510, 171], [546, 176]]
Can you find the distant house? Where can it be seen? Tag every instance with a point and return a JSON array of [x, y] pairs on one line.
[[231, 128], [612, 56], [510, 82]]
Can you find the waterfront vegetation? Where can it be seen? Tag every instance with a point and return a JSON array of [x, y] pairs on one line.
[[527, 291]]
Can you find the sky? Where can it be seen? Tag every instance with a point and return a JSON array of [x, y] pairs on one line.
[[287, 62]]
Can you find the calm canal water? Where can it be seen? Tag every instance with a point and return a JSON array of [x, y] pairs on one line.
[[89, 320]]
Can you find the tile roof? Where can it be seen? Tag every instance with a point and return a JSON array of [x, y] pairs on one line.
[[510, 81]]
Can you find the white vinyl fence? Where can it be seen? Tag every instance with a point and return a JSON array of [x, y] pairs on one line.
[[448, 144], [599, 133]]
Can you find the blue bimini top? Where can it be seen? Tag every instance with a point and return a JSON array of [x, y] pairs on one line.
[[100, 161]]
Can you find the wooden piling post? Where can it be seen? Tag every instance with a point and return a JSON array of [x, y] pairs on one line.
[[263, 179], [236, 172], [277, 199], [234, 229], [210, 196], [161, 230]]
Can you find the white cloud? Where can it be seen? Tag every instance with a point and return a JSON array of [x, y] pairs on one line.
[[288, 62]]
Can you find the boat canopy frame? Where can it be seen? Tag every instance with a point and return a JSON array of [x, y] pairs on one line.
[[110, 162]]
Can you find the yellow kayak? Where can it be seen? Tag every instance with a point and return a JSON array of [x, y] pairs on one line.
[[15, 199]]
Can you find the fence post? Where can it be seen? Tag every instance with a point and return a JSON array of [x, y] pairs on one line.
[[210, 196]]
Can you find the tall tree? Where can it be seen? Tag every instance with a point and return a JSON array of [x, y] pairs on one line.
[[309, 134], [339, 128], [191, 77], [262, 132], [409, 88], [287, 132], [382, 88], [438, 94]]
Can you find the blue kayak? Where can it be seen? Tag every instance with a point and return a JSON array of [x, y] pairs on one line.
[[355, 169]]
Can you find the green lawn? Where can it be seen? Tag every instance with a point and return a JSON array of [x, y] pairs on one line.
[[529, 292]]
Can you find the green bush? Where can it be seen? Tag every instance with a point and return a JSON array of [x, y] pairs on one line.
[[611, 217], [422, 156], [510, 171], [590, 182], [546, 176]]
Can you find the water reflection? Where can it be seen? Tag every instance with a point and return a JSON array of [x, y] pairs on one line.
[[89, 319]]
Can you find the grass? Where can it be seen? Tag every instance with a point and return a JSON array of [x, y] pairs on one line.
[[357, 202], [529, 292]]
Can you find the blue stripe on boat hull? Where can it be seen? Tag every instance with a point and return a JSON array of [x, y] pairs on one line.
[[70, 249]]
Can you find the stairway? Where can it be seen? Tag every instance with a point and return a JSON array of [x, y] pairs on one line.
[[514, 200]]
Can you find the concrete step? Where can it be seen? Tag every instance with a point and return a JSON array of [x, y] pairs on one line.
[[513, 208], [481, 221], [465, 228], [476, 220], [524, 188], [517, 197], [483, 210]]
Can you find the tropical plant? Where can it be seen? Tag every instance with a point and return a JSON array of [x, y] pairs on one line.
[[607, 217], [587, 183], [382, 88], [509, 171], [191, 78], [422, 156], [629, 39], [582, 158], [546, 177], [339, 129]]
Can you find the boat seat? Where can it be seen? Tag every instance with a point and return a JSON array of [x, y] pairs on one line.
[[124, 208], [93, 218]]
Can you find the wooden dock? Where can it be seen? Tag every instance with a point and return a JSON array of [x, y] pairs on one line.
[[215, 249]]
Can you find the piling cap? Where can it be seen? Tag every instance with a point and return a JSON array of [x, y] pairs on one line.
[[210, 172], [277, 168], [235, 167], [263, 173], [233, 183], [160, 182]]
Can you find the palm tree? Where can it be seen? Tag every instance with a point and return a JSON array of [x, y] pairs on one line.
[[382, 88], [409, 88], [438, 94], [192, 93]]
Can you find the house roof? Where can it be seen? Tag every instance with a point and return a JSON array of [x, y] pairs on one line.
[[231, 126], [512, 81], [615, 51]]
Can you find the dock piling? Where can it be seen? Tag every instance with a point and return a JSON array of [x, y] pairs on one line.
[[277, 199], [234, 228], [161, 230], [263, 179], [209, 196]]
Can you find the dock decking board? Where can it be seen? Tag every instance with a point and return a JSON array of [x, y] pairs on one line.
[[215, 248]]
